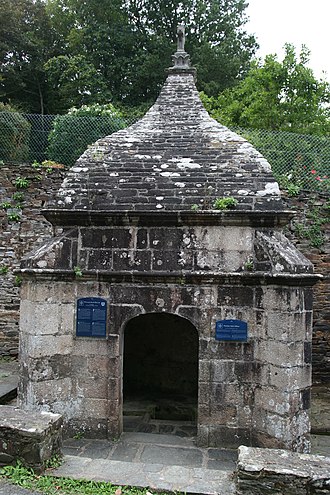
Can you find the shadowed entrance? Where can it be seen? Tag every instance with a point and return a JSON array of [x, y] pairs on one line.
[[160, 374]]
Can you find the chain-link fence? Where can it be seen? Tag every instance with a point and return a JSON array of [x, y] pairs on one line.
[[297, 160]]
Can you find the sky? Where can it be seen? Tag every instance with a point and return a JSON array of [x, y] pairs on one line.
[[275, 22]]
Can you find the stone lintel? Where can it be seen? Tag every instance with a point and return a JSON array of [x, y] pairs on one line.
[[66, 217], [182, 278]]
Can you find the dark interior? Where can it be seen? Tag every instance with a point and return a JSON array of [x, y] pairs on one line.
[[160, 368]]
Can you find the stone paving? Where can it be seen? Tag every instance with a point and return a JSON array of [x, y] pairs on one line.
[[162, 462], [8, 380]]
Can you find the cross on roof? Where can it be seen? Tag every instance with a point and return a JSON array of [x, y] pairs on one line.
[[181, 37]]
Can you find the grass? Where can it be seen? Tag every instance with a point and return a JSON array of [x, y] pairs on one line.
[[49, 485]]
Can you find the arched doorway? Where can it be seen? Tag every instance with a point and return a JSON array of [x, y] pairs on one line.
[[160, 374]]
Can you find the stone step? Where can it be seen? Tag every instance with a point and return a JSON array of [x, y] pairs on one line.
[[154, 476]]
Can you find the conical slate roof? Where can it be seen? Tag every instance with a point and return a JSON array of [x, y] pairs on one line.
[[172, 159]]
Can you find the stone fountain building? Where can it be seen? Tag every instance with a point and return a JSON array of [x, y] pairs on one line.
[[147, 294]]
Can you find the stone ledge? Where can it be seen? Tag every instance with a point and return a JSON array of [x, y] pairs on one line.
[[261, 471], [71, 217], [30, 437], [182, 278]]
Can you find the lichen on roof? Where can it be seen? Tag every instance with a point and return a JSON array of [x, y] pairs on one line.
[[176, 152]]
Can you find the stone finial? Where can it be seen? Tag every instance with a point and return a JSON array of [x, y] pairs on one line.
[[181, 59]]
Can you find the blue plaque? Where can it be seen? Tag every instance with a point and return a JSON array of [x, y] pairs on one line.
[[91, 317], [231, 330]]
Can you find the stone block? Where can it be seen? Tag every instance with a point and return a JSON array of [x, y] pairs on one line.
[[222, 372], [91, 289], [93, 388], [67, 319], [223, 415], [204, 370], [119, 314], [203, 392], [249, 372], [39, 346], [201, 297], [203, 413], [114, 349], [209, 260], [84, 346], [202, 435], [282, 354], [30, 437], [115, 427], [60, 393], [167, 238], [279, 401], [48, 368], [284, 299], [232, 438], [39, 318], [261, 471], [197, 316], [224, 238], [286, 327], [236, 296], [293, 378], [225, 394], [96, 408], [290, 432], [235, 260], [106, 237], [45, 291], [88, 427], [114, 388], [98, 366]]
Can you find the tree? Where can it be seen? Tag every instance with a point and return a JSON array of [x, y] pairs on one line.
[[130, 43], [219, 46], [277, 95], [14, 136], [79, 128], [59, 53], [76, 81], [27, 41]]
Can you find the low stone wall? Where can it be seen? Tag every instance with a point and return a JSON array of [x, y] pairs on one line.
[[31, 438], [280, 472], [19, 235]]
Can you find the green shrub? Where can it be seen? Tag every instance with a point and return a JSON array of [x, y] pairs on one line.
[[79, 128], [14, 135]]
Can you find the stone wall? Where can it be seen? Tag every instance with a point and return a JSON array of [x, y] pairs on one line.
[[311, 225], [19, 237], [244, 395]]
